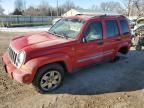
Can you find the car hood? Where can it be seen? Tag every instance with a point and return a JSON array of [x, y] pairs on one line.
[[38, 40]]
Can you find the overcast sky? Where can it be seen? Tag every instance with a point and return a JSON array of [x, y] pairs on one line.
[[8, 5]]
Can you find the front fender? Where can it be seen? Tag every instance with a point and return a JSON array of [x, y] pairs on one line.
[[33, 65]]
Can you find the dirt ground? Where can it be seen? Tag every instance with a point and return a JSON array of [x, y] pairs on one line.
[[105, 85]]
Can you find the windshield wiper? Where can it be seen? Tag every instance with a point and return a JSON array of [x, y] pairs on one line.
[[56, 34], [64, 35], [59, 35], [51, 33]]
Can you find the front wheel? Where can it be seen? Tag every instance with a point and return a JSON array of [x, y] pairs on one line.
[[48, 78]]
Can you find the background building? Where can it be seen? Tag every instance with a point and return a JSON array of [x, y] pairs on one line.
[[74, 12]]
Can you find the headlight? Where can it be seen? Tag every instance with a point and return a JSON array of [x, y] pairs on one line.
[[20, 59]]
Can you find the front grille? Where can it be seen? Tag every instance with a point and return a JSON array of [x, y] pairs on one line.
[[12, 55]]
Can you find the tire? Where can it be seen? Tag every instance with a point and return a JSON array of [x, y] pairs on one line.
[[117, 58], [138, 48], [48, 78]]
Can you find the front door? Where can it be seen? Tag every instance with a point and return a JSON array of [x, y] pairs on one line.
[[90, 50]]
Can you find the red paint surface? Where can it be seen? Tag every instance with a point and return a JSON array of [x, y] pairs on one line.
[[44, 48]]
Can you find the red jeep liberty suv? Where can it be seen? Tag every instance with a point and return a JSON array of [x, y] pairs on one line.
[[71, 43]]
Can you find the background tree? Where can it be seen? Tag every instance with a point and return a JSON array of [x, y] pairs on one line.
[[30, 11], [128, 4], [95, 8], [112, 6], [68, 5], [134, 7], [17, 12], [139, 6], [44, 9], [19, 7], [1, 9]]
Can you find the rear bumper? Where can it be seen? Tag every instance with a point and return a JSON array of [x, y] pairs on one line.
[[14, 73]]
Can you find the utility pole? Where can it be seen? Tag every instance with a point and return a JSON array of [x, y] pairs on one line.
[[51, 11], [24, 2], [57, 8], [130, 2]]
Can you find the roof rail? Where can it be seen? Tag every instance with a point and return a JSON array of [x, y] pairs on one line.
[[102, 15]]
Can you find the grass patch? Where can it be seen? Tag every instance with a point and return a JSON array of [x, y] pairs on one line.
[[22, 24]]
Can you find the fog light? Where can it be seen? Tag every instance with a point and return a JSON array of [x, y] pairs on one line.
[[26, 79]]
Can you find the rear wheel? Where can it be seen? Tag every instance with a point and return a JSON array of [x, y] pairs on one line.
[[117, 58], [48, 78]]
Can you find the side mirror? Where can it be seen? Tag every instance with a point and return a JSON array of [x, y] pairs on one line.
[[84, 40]]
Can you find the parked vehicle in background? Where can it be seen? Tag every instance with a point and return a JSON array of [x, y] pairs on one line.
[[138, 40], [132, 23], [72, 43], [139, 23]]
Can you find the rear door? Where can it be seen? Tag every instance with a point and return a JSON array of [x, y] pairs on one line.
[[112, 38], [125, 32], [90, 50]]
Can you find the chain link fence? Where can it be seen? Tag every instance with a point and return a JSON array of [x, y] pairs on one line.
[[17, 21]]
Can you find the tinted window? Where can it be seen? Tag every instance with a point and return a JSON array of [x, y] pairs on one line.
[[112, 28], [124, 26], [94, 31]]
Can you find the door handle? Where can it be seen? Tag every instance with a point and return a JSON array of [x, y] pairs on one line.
[[118, 39], [100, 43]]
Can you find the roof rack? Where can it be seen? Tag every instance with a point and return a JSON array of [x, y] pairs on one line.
[[100, 15]]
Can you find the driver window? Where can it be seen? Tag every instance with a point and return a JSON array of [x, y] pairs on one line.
[[94, 31]]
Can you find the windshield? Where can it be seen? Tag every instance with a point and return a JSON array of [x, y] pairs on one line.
[[69, 28]]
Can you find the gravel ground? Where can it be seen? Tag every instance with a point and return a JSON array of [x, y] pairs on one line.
[[105, 85]]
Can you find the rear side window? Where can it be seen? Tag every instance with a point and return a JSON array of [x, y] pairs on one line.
[[112, 28], [124, 26]]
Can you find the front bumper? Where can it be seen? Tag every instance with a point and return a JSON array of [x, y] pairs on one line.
[[16, 74]]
